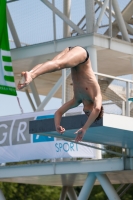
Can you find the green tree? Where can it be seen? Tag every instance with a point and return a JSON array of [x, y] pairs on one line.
[[15, 191], [112, 148]]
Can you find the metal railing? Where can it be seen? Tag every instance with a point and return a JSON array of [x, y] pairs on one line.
[[118, 91]]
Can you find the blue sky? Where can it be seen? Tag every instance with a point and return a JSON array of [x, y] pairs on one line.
[[9, 104]]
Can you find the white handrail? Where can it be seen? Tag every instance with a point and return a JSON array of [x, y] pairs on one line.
[[126, 110], [113, 77]]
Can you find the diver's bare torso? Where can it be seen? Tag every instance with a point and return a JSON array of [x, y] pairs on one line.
[[85, 85]]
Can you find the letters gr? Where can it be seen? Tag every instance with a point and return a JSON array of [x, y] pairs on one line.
[[12, 132]]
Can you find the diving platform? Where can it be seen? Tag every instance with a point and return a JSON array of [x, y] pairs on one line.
[[112, 129]]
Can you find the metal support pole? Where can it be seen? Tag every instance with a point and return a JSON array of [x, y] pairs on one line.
[[127, 97], [107, 186], [129, 28], [52, 92], [67, 7], [98, 153], [18, 44], [107, 8], [87, 187], [54, 21], [63, 193], [120, 20], [12, 29], [63, 86], [120, 187], [64, 97], [71, 193], [90, 16], [132, 62], [63, 17], [66, 33], [93, 56], [130, 153], [124, 191], [101, 15], [2, 195], [35, 93], [123, 108], [30, 100], [110, 18]]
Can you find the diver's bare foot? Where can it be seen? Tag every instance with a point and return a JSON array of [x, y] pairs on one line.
[[25, 80]]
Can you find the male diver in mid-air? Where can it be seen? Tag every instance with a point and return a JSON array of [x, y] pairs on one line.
[[85, 86]]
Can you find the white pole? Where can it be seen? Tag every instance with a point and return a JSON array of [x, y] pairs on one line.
[[2, 195], [35, 93], [87, 187], [52, 92], [71, 193], [66, 33], [127, 97], [107, 186], [62, 16], [12, 29], [67, 8], [110, 18], [120, 20], [103, 9], [30, 100], [63, 193], [63, 86], [93, 57], [90, 16], [123, 108], [54, 21], [132, 62]]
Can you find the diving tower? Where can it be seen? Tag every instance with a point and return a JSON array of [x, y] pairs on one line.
[[111, 53]]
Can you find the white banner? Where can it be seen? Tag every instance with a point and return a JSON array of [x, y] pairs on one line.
[[16, 144]]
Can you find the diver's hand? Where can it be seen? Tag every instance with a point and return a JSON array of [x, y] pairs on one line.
[[80, 134], [60, 129]]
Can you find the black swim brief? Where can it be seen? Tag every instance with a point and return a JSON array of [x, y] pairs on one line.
[[87, 57]]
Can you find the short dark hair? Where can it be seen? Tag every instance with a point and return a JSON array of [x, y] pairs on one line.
[[100, 114]]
